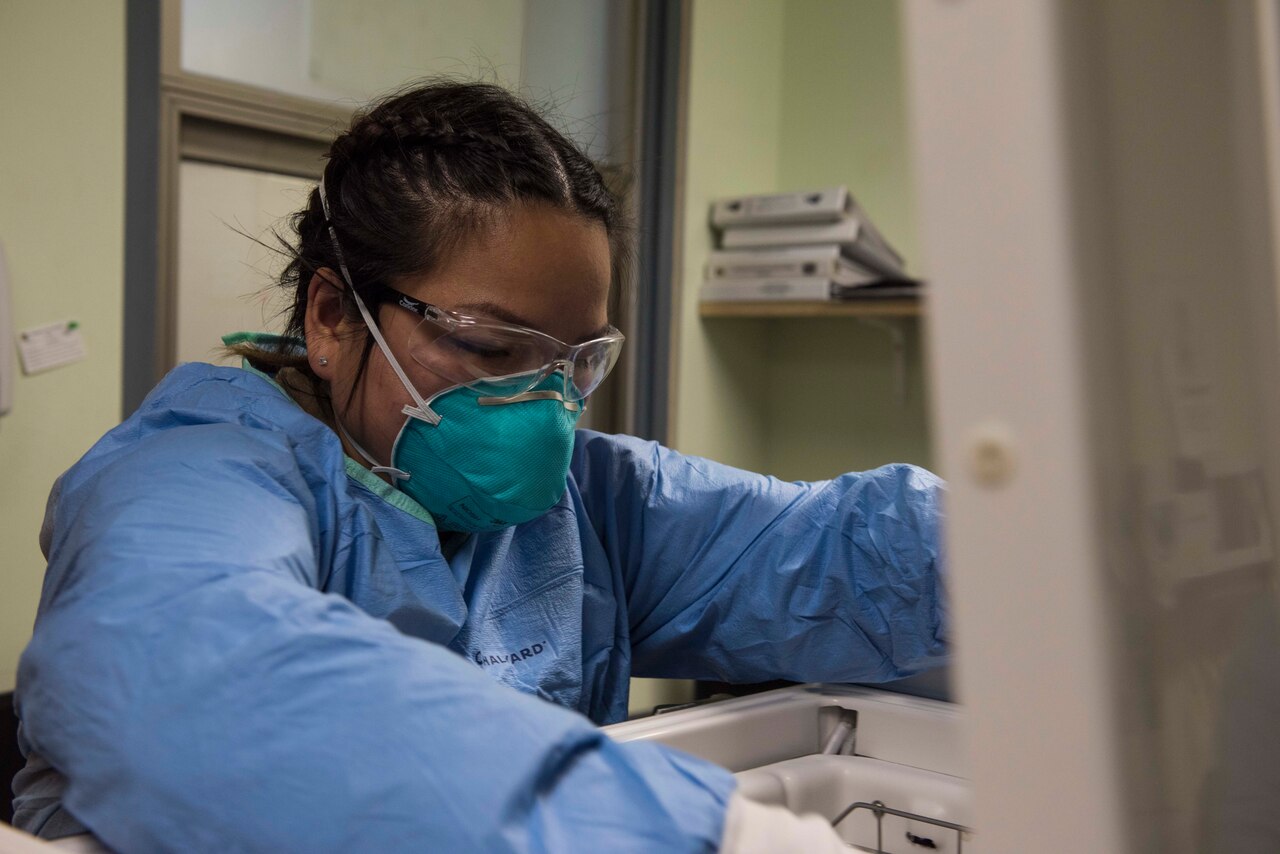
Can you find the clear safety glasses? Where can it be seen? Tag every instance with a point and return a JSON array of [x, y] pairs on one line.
[[503, 360]]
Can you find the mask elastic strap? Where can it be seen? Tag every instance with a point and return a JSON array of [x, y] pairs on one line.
[[391, 471], [422, 412]]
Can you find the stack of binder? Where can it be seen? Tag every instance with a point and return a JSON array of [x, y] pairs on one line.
[[817, 245]]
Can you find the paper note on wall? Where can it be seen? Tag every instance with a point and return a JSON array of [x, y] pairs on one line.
[[50, 346]]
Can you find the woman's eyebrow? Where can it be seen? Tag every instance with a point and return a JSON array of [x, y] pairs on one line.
[[494, 311], [498, 312]]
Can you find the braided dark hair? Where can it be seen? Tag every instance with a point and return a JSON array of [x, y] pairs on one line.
[[415, 175]]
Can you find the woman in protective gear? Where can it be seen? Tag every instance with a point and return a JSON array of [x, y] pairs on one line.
[[374, 591]]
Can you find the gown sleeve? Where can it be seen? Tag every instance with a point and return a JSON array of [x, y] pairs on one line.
[[199, 692], [739, 577]]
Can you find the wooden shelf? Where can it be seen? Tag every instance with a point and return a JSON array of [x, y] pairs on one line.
[[850, 308]]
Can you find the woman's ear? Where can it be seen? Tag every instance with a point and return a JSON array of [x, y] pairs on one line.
[[326, 323]]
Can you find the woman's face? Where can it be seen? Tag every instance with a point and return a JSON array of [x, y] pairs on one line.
[[535, 266]]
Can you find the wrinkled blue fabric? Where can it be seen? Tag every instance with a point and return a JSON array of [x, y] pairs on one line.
[[242, 645]]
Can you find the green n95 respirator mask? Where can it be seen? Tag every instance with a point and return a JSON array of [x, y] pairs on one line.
[[476, 461]]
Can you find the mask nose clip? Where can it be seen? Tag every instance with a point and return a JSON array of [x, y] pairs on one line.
[[565, 367], [568, 378], [565, 395]]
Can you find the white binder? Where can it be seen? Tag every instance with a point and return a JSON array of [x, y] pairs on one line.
[[856, 237], [821, 260], [807, 288], [767, 288], [825, 205]]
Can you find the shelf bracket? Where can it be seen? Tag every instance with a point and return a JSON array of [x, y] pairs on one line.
[[896, 330]]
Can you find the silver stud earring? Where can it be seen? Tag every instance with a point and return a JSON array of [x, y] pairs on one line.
[[324, 360]]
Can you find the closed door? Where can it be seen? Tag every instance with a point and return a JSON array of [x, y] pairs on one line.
[[230, 225]]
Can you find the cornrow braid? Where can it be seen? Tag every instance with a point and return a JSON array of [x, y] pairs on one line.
[[415, 175]]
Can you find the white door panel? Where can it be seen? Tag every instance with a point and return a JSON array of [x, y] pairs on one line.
[[1096, 188], [226, 280]]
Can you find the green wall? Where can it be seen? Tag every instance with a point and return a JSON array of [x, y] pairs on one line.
[[835, 399], [844, 114], [786, 95], [61, 222], [732, 145], [835, 384], [734, 110]]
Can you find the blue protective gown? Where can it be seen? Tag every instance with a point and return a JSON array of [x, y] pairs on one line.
[[246, 641]]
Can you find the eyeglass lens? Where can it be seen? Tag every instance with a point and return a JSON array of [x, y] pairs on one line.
[[510, 361]]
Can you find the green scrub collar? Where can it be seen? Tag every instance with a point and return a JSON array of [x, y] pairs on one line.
[[354, 469]]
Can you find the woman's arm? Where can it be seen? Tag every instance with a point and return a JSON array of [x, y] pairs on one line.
[[200, 694], [743, 578]]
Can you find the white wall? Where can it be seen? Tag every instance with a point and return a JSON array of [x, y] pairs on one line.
[[226, 280], [262, 42], [1099, 195], [62, 223], [554, 51], [577, 82], [375, 45]]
